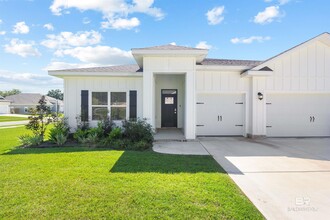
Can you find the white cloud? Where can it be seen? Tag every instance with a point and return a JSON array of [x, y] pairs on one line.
[[21, 28], [172, 43], [69, 39], [268, 15], [103, 55], [112, 10], [56, 65], [203, 45], [283, 2], [49, 27], [21, 48], [215, 15], [28, 82], [249, 40], [121, 23], [1, 21], [2, 32]]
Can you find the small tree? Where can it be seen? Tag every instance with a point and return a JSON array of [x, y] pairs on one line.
[[40, 118]]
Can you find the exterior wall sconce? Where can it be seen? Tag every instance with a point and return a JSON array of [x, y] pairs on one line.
[[260, 96]]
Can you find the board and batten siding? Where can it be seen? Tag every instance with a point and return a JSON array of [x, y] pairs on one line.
[[305, 69], [220, 82], [74, 85]]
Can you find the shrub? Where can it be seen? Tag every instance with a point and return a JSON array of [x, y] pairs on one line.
[[60, 132], [138, 130], [30, 140], [40, 118], [87, 137], [82, 125], [113, 136], [80, 135], [105, 126]]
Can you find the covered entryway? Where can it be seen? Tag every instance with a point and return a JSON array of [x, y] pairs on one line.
[[298, 115], [169, 100], [220, 114], [169, 108]]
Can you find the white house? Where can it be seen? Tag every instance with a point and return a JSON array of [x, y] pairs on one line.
[[22, 102], [4, 105], [175, 86]]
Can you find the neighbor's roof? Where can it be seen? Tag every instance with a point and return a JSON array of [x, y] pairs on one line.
[[168, 47], [226, 62], [27, 99], [132, 68]]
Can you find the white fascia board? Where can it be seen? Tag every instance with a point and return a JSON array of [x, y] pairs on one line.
[[62, 74], [221, 68], [251, 73], [139, 54]]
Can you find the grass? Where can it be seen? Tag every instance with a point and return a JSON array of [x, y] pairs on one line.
[[12, 118], [83, 183]]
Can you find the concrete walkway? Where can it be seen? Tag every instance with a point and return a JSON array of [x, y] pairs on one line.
[[11, 123], [285, 178], [181, 148]]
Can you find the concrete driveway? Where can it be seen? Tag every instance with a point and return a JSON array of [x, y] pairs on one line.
[[286, 178]]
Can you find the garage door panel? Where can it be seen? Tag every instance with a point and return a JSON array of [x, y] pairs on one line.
[[220, 114], [298, 115]]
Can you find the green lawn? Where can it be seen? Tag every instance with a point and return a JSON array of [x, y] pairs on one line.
[[12, 118], [82, 183]]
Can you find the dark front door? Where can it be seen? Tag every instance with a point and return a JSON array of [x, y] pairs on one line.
[[169, 108]]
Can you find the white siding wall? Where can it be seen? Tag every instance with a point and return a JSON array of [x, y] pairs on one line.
[[74, 85], [303, 70]]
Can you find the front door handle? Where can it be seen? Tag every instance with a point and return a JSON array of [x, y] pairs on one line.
[[221, 118]]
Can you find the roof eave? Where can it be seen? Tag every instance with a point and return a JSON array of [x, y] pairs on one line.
[[223, 67], [63, 74], [138, 54]]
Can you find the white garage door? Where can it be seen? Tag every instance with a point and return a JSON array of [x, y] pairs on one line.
[[4, 109], [220, 114], [294, 115]]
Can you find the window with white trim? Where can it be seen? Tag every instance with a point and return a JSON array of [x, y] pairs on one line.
[[118, 105], [99, 105]]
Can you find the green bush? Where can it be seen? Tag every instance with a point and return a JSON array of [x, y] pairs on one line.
[[113, 136], [87, 137], [60, 132], [30, 140], [138, 130], [80, 135], [105, 126]]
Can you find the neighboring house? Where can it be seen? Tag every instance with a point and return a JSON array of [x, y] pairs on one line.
[[21, 103], [4, 105], [175, 86]]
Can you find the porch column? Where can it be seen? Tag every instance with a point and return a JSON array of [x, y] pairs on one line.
[[190, 105], [149, 98]]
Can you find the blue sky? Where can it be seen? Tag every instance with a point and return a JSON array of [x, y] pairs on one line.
[[36, 35]]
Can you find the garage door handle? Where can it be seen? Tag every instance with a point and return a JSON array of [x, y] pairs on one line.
[[313, 118], [310, 118], [218, 117]]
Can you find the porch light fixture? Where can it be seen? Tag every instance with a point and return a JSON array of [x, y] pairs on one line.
[[260, 96]]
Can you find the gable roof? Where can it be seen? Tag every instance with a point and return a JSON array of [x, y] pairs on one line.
[[29, 99], [324, 37], [130, 68], [168, 47]]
